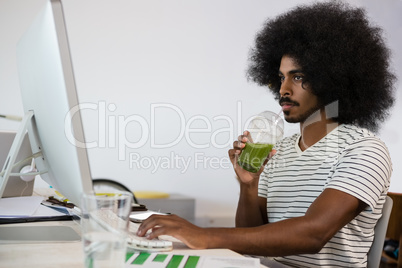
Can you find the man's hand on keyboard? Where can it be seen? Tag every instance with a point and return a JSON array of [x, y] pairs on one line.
[[193, 236]]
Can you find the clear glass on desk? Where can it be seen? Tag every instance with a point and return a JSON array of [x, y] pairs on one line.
[[104, 242]]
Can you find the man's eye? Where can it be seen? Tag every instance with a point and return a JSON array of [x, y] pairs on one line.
[[298, 77], [281, 78]]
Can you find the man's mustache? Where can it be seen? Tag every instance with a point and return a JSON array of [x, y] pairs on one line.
[[287, 100]]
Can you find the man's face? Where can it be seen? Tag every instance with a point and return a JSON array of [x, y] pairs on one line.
[[297, 102]]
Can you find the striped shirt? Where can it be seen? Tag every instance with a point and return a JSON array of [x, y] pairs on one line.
[[349, 159]]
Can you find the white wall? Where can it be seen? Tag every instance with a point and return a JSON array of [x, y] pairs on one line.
[[185, 62]]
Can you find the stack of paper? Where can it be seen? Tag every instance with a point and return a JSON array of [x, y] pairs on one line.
[[28, 208]]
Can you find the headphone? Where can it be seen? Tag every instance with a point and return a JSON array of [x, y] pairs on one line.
[[28, 173]]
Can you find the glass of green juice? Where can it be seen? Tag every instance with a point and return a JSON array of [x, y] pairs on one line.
[[265, 130]]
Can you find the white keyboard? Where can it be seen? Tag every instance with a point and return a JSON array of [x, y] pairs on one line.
[[134, 242]]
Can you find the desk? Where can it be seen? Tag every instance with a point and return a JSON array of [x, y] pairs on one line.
[[70, 254]]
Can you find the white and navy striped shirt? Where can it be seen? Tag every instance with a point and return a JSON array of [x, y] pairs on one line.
[[349, 159]]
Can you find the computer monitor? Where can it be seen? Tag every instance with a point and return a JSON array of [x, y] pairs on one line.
[[52, 115]]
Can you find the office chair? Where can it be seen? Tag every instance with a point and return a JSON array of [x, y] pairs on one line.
[[375, 252], [108, 184], [394, 231]]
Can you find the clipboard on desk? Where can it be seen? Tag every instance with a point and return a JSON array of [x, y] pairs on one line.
[[7, 220], [29, 209]]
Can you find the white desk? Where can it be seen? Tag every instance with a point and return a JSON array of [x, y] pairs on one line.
[[69, 254]]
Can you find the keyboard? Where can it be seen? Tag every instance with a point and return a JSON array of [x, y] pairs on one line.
[[109, 219]]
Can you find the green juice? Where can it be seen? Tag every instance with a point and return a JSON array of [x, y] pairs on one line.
[[253, 156]]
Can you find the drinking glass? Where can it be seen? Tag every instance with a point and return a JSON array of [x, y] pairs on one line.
[[105, 241], [265, 130]]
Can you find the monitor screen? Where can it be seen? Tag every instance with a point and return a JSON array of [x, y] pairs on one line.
[[48, 90]]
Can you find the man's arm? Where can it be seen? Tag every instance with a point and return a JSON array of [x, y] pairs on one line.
[[307, 234], [332, 210], [251, 209]]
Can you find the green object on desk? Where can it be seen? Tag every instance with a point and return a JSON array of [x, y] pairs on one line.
[[160, 258], [141, 258], [175, 261], [129, 255], [192, 262]]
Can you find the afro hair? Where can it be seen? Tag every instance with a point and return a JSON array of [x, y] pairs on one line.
[[343, 57]]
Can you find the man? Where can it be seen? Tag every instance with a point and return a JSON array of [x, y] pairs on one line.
[[320, 195]]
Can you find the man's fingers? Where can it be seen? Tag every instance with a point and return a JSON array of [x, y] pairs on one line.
[[148, 224]]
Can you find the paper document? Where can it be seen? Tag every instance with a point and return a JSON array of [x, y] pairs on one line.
[[28, 208], [162, 260], [23, 206]]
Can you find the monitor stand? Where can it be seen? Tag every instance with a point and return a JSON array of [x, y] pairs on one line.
[[15, 185], [16, 146], [29, 234]]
